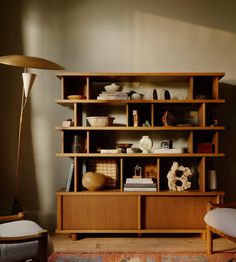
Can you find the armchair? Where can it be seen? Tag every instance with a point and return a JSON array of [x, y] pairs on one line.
[[21, 240], [221, 220]]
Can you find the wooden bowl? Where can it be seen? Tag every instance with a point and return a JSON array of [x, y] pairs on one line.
[[124, 146], [76, 97]]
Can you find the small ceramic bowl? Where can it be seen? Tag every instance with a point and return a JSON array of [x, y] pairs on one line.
[[113, 88], [100, 121]]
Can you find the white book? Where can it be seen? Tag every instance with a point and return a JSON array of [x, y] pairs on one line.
[[139, 181], [128, 189], [112, 98], [113, 93], [109, 151]]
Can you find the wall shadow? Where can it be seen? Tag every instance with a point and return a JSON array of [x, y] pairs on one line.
[[226, 167], [10, 99]]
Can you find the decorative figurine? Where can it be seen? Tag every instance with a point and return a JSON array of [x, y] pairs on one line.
[[137, 171], [167, 144], [154, 94], [178, 177], [168, 119]]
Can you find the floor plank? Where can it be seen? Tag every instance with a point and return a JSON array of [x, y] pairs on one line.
[[63, 243]]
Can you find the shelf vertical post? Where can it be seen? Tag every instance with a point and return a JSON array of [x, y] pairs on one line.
[[139, 213], [190, 88], [215, 88], [75, 174], [121, 174]]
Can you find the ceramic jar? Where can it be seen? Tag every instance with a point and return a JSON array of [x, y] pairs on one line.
[[145, 144], [212, 180]]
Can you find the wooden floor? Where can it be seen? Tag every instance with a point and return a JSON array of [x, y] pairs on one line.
[[114, 243]]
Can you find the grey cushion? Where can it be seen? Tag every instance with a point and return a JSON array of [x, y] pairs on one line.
[[21, 251], [222, 219]]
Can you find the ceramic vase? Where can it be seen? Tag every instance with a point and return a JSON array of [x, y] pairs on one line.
[[145, 144]]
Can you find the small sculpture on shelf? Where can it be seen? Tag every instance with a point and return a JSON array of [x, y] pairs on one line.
[[178, 177], [154, 94], [164, 94], [137, 171], [146, 124], [67, 123], [166, 144], [168, 119]]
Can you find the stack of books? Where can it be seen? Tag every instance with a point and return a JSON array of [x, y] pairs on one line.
[[113, 96], [140, 184]]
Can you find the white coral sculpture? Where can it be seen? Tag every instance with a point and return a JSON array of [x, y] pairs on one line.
[[178, 177]]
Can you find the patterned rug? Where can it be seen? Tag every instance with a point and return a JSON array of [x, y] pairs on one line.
[[142, 257]]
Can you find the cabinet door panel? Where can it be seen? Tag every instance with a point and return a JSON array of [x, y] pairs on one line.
[[96, 212], [178, 212]]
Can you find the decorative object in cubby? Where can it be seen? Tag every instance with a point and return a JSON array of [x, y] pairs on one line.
[[77, 144], [178, 177], [123, 146], [145, 144], [167, 144], [168, 119], [93, 181]]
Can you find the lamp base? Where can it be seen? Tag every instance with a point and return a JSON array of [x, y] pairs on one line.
[[16, 206]]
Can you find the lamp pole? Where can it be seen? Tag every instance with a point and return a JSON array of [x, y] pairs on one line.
[[28, 80]]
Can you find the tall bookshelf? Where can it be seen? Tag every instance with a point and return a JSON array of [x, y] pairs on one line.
[[193, 100]]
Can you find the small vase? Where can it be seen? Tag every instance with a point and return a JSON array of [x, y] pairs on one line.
[[76, 146], [145, 144]]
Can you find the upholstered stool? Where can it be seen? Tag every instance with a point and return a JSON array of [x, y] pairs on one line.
[[20, 251]]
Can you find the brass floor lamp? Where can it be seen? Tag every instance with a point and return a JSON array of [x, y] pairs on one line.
[[28, 80]]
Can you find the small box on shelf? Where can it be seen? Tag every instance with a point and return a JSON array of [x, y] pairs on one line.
[[205, 148], [108, 167]]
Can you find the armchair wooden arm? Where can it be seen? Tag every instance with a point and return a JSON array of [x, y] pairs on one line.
[[9, 218], [227, 204]]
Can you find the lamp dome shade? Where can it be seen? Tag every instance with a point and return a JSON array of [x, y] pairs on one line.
[[29, 62]]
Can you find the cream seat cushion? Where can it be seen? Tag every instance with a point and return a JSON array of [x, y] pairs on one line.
[[222, 219], [21, 251]]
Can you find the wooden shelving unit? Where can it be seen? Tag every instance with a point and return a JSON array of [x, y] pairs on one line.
[[111, 209]]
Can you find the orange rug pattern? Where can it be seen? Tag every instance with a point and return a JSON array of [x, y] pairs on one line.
[[142, 257]]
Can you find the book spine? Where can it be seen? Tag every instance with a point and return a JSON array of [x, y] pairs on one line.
[[70, 176]]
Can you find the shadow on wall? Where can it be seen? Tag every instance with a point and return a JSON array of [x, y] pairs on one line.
[[10, 99], [226, 168]]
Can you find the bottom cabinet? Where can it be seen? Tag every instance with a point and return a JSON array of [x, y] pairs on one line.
[[133, 212]]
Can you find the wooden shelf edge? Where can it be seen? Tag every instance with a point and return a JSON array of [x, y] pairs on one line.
[[157, 128], [145, 231], [121, 102], [141, 74], [138, 193], [87, 155]]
